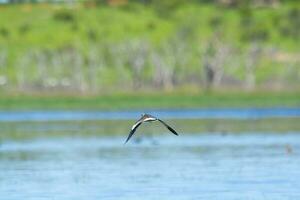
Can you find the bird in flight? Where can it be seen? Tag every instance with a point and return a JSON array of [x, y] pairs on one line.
[[147, 118]]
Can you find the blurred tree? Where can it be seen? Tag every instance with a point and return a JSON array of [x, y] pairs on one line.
[[251, 30], [64, 15], [24, 28], [252, 59], [165, 7], [3, 67], [4, 32], [137, 61], [290, 23], [117, 2], [214, 60], [252, 3]]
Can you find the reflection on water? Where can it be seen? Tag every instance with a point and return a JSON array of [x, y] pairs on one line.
[[205, 166]]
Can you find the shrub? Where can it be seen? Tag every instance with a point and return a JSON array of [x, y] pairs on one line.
[[64, 15]]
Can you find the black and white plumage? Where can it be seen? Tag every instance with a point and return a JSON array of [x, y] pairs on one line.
[[147, 118]]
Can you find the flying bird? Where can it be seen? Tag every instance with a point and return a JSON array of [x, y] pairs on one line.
[[147, 118]]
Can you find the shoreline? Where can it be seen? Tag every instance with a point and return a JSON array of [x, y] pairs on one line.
[[150, 101]]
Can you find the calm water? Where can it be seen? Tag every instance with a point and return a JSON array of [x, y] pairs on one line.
[[248, 166], [196, 165], [210, 113]]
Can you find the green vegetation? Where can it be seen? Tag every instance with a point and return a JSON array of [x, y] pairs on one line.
[[163, 45], [155, 100]]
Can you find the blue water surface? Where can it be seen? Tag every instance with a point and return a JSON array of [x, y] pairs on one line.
[[208, 113], [201, 166]]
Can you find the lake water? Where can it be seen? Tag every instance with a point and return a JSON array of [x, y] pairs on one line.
[[209, 113], [241, 158]]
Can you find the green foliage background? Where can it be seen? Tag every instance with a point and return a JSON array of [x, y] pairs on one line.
[[55, 28]]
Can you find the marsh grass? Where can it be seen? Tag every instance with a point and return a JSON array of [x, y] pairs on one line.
[[151, 100], [111, 128]]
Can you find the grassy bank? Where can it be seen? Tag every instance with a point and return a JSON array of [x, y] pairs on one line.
[[30, 130], [155, 100]]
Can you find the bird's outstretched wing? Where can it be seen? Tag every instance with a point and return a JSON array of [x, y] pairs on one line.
[[168, 127], [147, 118], [133, 129]]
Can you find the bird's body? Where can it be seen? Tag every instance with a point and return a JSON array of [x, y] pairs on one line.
[[147, 118]]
